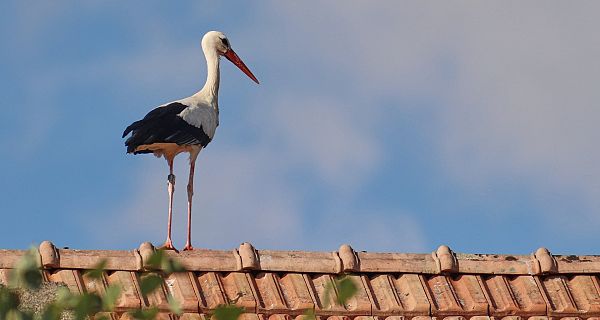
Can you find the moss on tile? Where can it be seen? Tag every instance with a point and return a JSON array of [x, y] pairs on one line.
[[36, 300]]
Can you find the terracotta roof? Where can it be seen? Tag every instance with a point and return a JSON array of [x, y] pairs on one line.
[[283, 284]]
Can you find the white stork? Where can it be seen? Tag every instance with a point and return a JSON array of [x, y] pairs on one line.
[[186, 125]]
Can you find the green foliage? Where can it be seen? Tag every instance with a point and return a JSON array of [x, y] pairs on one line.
[[156, 259], [345, 288], [310, 315], [15, 314], [227, 312], [110, 297], [82, 305], [160, 261], [27, 271], [145, 314], [86, 304], [149, 283], [174, 305], [98, 270], [8, 300], [52, 312]]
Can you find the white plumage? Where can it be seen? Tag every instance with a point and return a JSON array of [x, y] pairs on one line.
[[201, 113]]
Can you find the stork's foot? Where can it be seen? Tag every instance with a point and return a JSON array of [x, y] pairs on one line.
[[188, 247], [168, 245]]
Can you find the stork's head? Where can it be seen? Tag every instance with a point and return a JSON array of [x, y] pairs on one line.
[[218, 42]]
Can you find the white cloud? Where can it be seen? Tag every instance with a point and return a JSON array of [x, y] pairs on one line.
[[526, 102], [515, 85], [333, 139], [367, 230]]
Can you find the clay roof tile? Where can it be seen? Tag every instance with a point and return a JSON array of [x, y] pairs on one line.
[[278, 285]]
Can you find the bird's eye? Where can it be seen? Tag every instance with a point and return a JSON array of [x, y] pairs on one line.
[[225, 42]]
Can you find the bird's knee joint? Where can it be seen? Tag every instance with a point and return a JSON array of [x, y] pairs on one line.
[[171, 178], [190, 189]]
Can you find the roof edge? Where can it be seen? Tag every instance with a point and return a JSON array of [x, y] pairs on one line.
[[345, 260]]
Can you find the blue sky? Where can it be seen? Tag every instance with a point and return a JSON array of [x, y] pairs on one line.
[[391, 126]]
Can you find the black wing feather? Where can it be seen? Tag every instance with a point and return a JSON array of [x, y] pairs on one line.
[[161, 125]]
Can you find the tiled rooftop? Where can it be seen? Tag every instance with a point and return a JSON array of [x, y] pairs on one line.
[[286, 284]]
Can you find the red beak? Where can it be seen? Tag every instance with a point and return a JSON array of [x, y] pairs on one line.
[[233, 57]]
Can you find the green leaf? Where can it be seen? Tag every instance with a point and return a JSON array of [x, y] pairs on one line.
[[174, 305], [9, 300], [87, 304], [32, 278], [65, 298], [145, 314], [327, 294], [171, 265], [15, 314], [98, 270], [156, 259], [27, 271], [227, 312], [346, 290], [110, 297], [309, 315], [150, 283], [159, 260], [52, 312]]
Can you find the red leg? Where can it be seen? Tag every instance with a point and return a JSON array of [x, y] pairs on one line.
[[171, 187], [190, 191]]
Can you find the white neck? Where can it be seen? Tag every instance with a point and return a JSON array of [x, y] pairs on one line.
[[211, 87]]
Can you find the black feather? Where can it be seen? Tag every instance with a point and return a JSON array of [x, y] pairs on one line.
[[164, 125]]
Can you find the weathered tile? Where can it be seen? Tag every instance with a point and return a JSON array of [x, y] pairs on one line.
[[211, 291], [129, 298], [527, 295], [359, 303], [194, 316], [269, 295], [180, 286], [4, 276], [502, 301], [444, 299], [295, 292], [585, 292], [95, 285], [238, 291], [156, 298], [469, 294], [325, 295], [390, 286], [72, 278]]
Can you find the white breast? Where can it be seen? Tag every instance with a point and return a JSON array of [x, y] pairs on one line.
[[201, 115]]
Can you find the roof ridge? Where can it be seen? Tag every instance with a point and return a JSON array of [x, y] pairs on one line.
[[281, 285], [345, 260]]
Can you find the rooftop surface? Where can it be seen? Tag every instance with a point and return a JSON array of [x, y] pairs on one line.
[[284, 284]]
